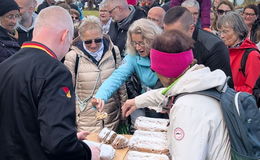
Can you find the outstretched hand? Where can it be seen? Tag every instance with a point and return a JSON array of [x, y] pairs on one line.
[[98, 103], [128, 107], [82, 135]]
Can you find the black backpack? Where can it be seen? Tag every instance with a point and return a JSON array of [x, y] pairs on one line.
[[256, 90], [242, 119]]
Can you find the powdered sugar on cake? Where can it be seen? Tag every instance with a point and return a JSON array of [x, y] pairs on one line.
[[151, 124], [134, 155]]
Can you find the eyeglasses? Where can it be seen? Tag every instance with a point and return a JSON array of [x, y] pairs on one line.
[[248, 14], [195, 13], [110, 12], [221, 11], [138, 43], [98, 40], [13, 16]]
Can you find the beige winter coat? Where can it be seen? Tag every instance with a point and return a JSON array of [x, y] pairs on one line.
[[89, 78]]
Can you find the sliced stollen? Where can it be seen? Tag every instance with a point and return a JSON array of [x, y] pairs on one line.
[[107, 136], [152, 124], [120, 142], [134, 155]]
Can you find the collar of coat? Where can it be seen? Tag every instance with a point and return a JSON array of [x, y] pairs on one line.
[[39, 46]]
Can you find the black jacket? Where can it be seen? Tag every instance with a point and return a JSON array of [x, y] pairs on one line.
[[37, 108], [24, 36], [43, 5], [211, 51], [119, 35], [8, 45]]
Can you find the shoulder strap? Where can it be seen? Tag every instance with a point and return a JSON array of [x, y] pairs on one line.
[[76, 66], [244, 59], [114, 54], [213, 93]]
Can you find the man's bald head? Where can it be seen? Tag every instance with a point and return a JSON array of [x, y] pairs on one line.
[[55, 18], [156, 14], [54, 28]]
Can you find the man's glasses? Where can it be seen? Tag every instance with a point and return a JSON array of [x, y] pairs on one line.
[[110, 12], [98, 40], [221, 11]]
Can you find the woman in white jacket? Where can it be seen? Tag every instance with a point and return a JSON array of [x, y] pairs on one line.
[[197, 130]]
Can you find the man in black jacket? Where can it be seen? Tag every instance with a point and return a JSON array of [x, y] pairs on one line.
[[208, 49], [37, 102], [123, 15]]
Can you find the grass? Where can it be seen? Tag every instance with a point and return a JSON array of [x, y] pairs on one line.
[[90, 12]]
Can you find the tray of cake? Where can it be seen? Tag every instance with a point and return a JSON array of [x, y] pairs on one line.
[[149, 141]]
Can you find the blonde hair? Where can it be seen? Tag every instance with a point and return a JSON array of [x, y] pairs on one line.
[[90, 23], [147, 29]]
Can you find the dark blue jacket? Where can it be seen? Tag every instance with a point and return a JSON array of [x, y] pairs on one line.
[[8, 44]]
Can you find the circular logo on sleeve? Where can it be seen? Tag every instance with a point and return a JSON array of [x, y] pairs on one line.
[[178, 133]]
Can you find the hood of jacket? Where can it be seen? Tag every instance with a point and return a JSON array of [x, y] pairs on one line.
[[197, 78]]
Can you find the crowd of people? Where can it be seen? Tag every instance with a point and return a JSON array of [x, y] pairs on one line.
[[59, 67]]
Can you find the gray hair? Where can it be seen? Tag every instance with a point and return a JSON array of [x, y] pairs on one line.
[[236, 22], [103, 4], [191, 3], [90, 23], [122, 3], [145, 27]]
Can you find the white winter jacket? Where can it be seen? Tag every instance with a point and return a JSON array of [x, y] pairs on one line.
[[197, 130]]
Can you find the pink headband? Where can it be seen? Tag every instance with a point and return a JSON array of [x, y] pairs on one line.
[[170, 65]]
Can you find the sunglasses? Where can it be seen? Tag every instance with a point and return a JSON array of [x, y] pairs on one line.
[[75, 18], [98, 40], [221, 11]]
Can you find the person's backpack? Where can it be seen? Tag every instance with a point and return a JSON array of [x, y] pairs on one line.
[[256, 90], [242, 119]]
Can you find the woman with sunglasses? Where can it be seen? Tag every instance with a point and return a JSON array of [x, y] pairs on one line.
[[138, 44], [224, 7], [91, 61], [197, 130]]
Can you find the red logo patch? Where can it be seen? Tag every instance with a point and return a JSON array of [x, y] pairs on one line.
[[66, 90], [178, 134]]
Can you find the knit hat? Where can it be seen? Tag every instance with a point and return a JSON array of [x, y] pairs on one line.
[[7, 6]]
